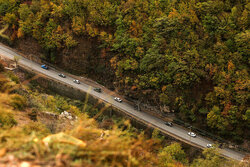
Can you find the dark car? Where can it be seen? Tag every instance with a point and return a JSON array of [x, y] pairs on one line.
[[62, 75], [45, 67], [99, 90], [169, 124]]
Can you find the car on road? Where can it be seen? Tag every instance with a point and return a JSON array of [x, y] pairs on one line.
[[169, 124], [99, 90], [210, 146], [62, 75], [118, 99], [45, 67], [192, 134], [76, 81]]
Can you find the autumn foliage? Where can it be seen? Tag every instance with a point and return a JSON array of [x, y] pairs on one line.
[[194, 54]]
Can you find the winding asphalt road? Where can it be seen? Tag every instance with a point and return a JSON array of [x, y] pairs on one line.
[[175, 131]]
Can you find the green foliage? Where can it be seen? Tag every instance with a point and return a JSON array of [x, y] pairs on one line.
[[69, 41], [24, 11], [198, 48], [7, 119], [203, 111], [26, 19], [172, 153], [128, 64], [186, 46], [247, 116], [164, 99], [18, 102], [60, 103], [214, 118], [156, 135], [22, 145], [153, 61], [13, 77], [74, 110], [210, 23], [211, 159], [10, 18], [242, 41], [37, 127], [8, 6]]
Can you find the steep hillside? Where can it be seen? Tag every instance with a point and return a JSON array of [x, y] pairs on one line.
[[191, 55], [38, 129]]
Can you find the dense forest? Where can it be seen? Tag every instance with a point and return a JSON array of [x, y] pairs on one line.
[[190, 55]]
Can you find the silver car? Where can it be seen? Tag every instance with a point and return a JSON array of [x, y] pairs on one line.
[[210, 146], [192, 134], [62, 75], [76, 81], [118, 99]]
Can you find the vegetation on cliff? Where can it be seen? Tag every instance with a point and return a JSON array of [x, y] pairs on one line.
[[191, 55]]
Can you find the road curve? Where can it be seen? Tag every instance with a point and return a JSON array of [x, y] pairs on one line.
[[175, 131]]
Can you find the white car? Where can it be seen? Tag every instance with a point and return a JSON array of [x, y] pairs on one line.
[[76, 81], [62, 75], [192, 134], [118, 99], [210, 146]]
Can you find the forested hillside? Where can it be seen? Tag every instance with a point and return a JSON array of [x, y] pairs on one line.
[[35, 131], [191, 55]]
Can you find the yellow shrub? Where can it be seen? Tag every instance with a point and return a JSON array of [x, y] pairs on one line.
[[18, 102], [6, 118]]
